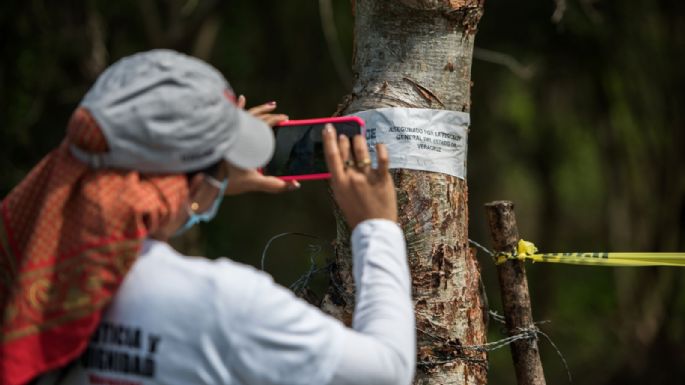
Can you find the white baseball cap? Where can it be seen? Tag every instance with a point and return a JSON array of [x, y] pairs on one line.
[[165, 112]]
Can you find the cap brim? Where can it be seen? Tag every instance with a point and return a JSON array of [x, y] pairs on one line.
[[254, 145]]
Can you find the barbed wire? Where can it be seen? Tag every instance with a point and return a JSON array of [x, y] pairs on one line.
[[485, 249], [522, 334], [561, 356], [497, 317], [525, 332], [281, 235], [301, 285]]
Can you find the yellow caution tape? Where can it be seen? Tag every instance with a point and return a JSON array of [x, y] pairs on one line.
[[527, 251]]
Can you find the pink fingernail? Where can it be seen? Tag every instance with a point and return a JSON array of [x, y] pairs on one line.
[[272, 103]]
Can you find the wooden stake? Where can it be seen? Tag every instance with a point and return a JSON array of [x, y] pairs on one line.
[[515, 297]]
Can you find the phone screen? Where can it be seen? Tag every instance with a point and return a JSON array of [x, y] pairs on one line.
[[299, 148]]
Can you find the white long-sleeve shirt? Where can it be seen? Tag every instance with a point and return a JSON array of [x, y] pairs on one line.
[[185, 320]]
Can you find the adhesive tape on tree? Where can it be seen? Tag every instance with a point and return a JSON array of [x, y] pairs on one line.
[[420, 138]]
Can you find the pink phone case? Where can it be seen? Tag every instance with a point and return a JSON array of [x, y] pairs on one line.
[[340, 119]]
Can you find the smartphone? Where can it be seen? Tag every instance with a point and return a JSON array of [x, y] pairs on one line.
[[299, 147]]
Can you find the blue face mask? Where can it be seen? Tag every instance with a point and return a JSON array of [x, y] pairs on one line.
[[194, 218]]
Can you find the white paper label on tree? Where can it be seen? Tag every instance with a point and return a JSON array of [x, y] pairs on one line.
[[420, 138]]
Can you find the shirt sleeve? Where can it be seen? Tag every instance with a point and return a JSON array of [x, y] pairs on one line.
[[381, 348], [278, 338], [281, 339]]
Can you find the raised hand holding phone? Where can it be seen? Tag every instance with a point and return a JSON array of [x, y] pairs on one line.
[[361, 191], [251, 180], [263, 111], [299, 153]]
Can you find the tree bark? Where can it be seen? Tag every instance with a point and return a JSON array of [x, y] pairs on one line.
[[417, 54]]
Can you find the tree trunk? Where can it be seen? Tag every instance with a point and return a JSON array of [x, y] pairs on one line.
[[417, 54]]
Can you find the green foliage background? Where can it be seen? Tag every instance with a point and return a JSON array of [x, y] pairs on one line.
[[584, 133]]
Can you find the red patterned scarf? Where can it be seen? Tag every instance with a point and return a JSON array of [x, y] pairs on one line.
[[68, 236]]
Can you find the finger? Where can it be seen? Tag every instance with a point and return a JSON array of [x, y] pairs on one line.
[[273, 119], [241, 102], [344, 144], [293, 185], [383, 158], [361, 152], [331, 150], [262, 109], [275, 185]]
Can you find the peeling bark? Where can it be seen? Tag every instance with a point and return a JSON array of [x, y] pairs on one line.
[[418, 54], [441, 5]]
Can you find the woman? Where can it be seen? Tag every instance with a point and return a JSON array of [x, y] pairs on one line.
[[93, 293]]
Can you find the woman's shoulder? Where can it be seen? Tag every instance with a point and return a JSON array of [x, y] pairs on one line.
[[165, 286], [162, 252], [161, 261]]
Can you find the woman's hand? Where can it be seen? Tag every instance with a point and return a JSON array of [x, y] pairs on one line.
[[361, 191], [242, 181], [263, 112]]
